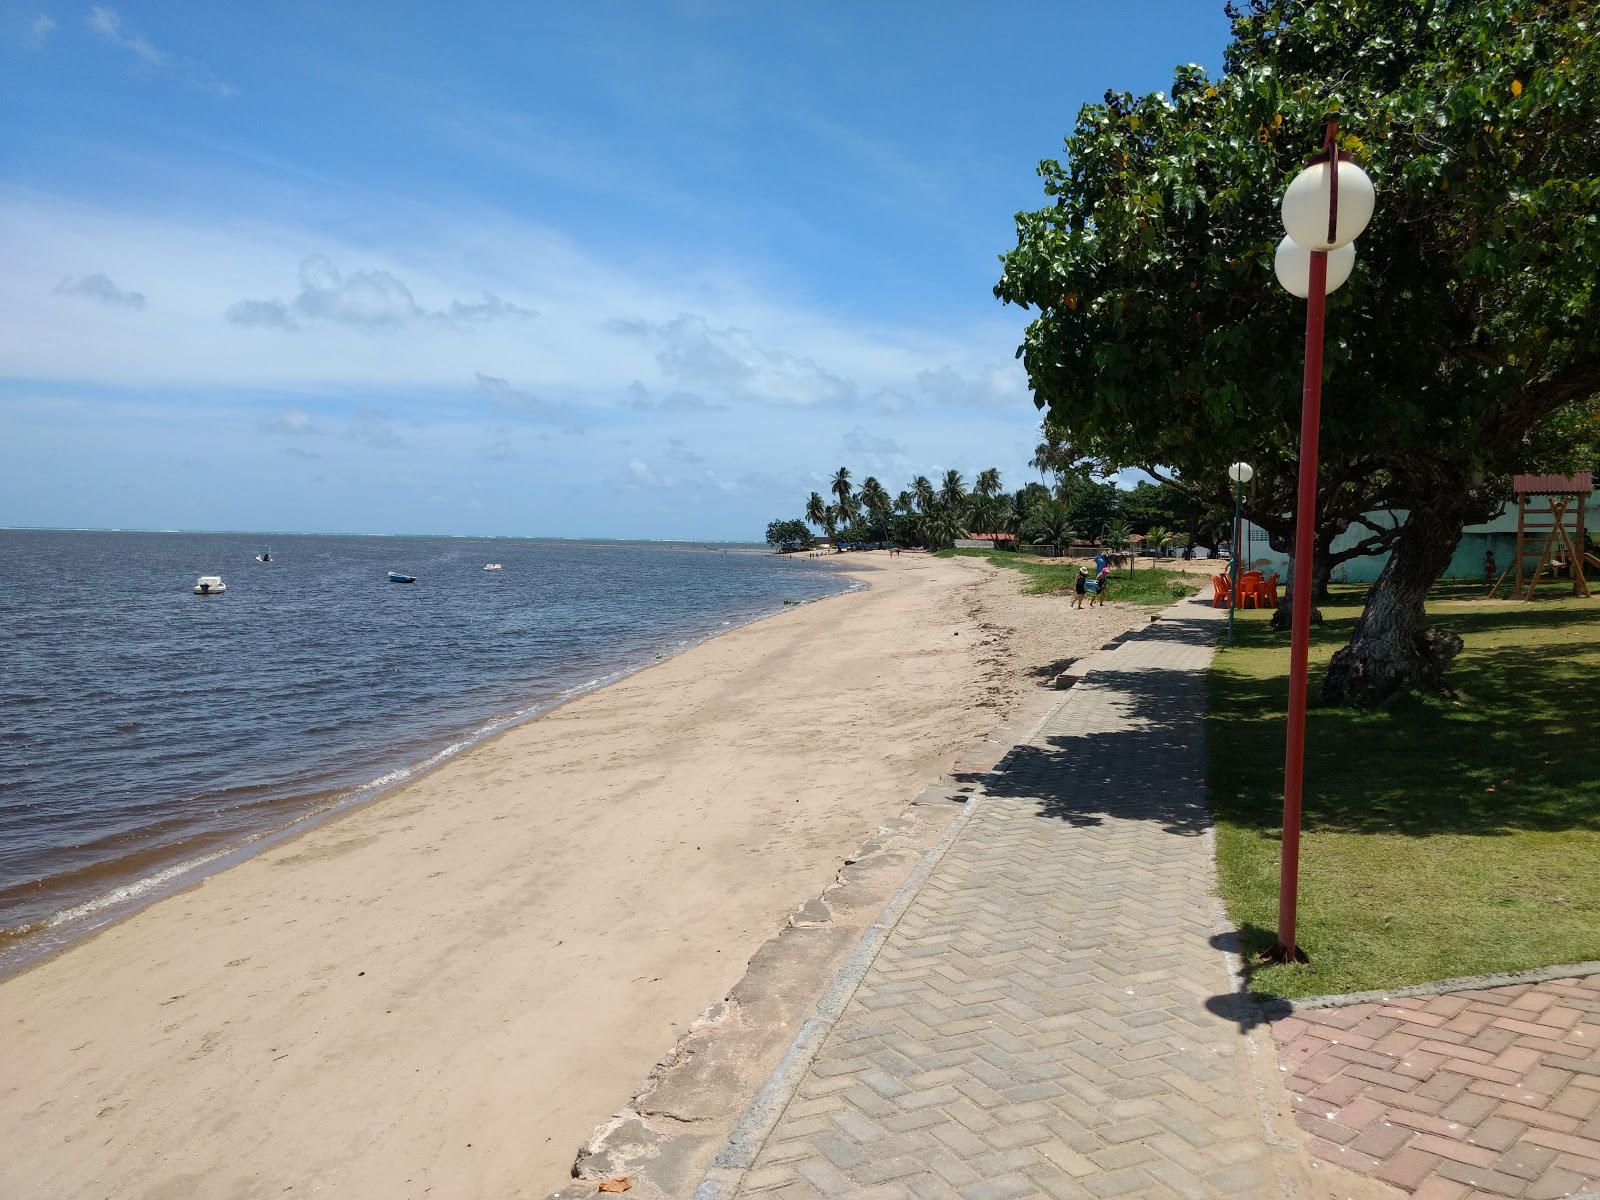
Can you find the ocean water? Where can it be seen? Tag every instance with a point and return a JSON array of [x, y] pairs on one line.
[[149, 735]]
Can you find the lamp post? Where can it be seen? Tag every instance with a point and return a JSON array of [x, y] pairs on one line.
[[1241, 473], [1315, 258]]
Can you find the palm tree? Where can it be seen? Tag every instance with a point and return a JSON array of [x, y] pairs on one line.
[[816, 511], [927, 499], [840, 486], [876, 501], [849, 508], [830, 522], [1049, 523], [942, 527], [1159, 538], [1118, 535], [953, 490], [904, 502], [987, 484]]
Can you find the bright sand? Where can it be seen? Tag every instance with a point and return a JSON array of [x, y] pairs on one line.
[[443, 993]]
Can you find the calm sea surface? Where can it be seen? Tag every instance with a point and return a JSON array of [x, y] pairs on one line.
[[148, 735]]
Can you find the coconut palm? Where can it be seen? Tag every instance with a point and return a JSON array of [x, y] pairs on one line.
[[987, 485], [927, 498], [953, 491], [1049, 523], [941, 527], [904, 502], [1118, 535], [1159, 538], [877, 503], [816, 511], [840, 487]]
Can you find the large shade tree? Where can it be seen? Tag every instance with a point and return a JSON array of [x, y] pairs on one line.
[[1163, 341]]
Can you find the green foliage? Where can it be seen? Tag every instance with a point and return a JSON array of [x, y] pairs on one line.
[[1162, 338], [1441, 838], [788, 536], [1049, 524]]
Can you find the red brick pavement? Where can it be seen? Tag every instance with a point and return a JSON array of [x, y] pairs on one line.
[[1473, 1094]]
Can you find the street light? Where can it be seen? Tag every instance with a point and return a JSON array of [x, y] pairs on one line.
[[1321, 237], [1241, 473]]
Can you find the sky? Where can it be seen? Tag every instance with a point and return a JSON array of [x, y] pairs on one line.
[[609, 269]]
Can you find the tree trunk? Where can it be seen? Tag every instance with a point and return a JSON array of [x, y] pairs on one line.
[[1321, 568], [1392, 650]]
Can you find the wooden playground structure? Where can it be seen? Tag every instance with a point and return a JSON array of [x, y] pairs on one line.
[[1552, 506]]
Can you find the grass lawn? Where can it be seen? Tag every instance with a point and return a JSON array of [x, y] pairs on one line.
[[1441, 838], [1150, 585]]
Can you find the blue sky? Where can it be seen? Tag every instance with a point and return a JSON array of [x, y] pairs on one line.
[[602, 269]]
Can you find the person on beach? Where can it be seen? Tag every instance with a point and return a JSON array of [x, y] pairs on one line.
[[1101, 582], [1080, 587]]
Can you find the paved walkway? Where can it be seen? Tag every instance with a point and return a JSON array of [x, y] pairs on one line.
[[1042, 1020], [1481, 1092]]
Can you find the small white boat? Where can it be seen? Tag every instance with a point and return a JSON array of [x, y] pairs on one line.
[[210, 585], [493, 567]]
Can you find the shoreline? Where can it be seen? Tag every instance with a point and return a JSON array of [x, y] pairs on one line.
[[26, 945], [451, 989]]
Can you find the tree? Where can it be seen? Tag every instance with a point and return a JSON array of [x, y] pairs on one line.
[[942, 526], [840, 486], [789, 536], [987, 485], [1049, 523], [817, 511], [878, 506], [953, 490], [1095, 505], [1158, 538], [1118, 535], [922, 491], [1163, 341]]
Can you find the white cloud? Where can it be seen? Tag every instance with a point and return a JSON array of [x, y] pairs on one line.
[[372, 299], [374, 428], [731, 361], [638, 396], [39, 31], [290, 420], [890, 401], [99, 287], [526, 404], [992, 386], [107, 23]]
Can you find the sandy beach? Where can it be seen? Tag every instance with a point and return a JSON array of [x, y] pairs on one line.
[[444, 992]]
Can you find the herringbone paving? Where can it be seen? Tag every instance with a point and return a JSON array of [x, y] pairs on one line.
[[1037, 1023]]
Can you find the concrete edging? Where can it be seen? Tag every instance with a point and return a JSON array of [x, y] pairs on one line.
[[1491, 979]]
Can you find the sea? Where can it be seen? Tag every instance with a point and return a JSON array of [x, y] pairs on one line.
[[150, 736]]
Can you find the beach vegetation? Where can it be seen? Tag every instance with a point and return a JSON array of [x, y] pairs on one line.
[[1462, 342], [1441, 837], [786, 537]]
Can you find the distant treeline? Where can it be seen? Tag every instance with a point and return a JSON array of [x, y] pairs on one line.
[[1075, 510]]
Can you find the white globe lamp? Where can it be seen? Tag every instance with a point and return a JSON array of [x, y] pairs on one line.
[[1292, 265], [1305, 205], [1241, 472]]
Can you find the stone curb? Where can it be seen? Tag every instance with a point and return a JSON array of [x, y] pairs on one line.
[[1493, 979]]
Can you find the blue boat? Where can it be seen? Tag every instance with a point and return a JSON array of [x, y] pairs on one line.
[[396, 577]]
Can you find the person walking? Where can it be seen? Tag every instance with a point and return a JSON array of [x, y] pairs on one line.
[[1102, 582], [1080, 587]]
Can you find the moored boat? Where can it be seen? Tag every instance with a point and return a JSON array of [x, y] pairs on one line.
[[210, 585], [397, 577], [493, 567]]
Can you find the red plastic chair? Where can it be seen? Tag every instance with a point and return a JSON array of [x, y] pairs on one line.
[[1221, 585], [1248, 583]]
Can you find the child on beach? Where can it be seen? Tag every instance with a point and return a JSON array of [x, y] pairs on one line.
[[1080, 586], [1101, 582]]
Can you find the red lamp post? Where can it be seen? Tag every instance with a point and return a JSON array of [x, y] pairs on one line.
[[1316, 257]]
